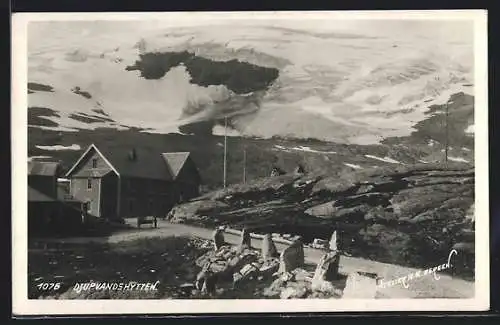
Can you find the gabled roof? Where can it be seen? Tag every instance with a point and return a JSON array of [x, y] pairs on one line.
[[175, 160], [37, 196], [42, 168], [148, 163]]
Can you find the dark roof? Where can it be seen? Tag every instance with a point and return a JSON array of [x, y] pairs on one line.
[[148, 163], [175, 160], [37, 196], [42, 168]]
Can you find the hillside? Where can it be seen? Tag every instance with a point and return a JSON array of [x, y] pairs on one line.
[[424, 145], [410, 216]]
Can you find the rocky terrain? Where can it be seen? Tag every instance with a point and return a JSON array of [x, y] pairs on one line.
[[409, 215], [243, 271], [194, 268]]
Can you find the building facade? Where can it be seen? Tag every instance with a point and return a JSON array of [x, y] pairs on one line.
[[121, 182]]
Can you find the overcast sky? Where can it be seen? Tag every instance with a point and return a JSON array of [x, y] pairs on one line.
[[42, 34]]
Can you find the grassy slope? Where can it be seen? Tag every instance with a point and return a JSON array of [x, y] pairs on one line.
[[168, 260], [208, 152]]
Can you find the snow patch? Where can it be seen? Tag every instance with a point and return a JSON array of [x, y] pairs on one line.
[[58, 147], [32, 158], [458, 159], [470, 129], [308, 149], [219, 130], [385, 159], [304, 149], [53, 128], [432, 142], [353, 166]]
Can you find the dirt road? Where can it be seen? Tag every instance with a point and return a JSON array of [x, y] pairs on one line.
[[423, 287]]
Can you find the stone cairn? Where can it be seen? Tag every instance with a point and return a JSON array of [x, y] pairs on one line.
[[245, 240], [327, 269], [292, 257], [234, 267], [218, 238], [361, 285], [269, 249]]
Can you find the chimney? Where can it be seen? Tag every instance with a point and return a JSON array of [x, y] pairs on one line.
[[132, 155]]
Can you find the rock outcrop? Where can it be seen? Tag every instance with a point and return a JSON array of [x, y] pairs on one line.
[[393, 215]]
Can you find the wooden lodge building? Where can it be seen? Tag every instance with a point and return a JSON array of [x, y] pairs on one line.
[[124, 182]]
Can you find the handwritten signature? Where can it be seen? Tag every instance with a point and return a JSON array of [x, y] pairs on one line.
[[418, 274]]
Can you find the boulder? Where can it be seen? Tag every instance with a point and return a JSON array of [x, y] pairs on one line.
[[325, 287], [360, 286], [292, 257], [328, 267], [246, 272], [245, 257], [319, 243], [301, 275], [268, 247], [269, 267], [278, 285], [322, 210], [295, 290], [195, 211]]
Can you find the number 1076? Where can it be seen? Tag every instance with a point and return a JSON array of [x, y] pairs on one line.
[[49, 286]]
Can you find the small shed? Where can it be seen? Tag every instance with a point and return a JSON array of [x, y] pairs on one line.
[[49, 216], [42, 176]]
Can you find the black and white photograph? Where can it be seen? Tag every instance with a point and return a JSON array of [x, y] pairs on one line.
[[250, 162]]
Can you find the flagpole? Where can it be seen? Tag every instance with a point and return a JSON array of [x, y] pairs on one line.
[[225, 150], [446, 136], [244, 165]]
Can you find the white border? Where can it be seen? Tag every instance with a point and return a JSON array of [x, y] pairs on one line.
[[23, 306]]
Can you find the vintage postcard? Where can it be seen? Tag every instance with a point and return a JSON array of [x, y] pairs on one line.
[[240, 162]]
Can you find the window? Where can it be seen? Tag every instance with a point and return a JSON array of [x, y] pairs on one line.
[[89, 183], [94, 163]]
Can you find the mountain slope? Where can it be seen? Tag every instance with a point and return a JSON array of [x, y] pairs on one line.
[[269, 80], [407, 215]]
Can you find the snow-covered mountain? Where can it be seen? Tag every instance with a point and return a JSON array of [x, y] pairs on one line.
[[349, 83]]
